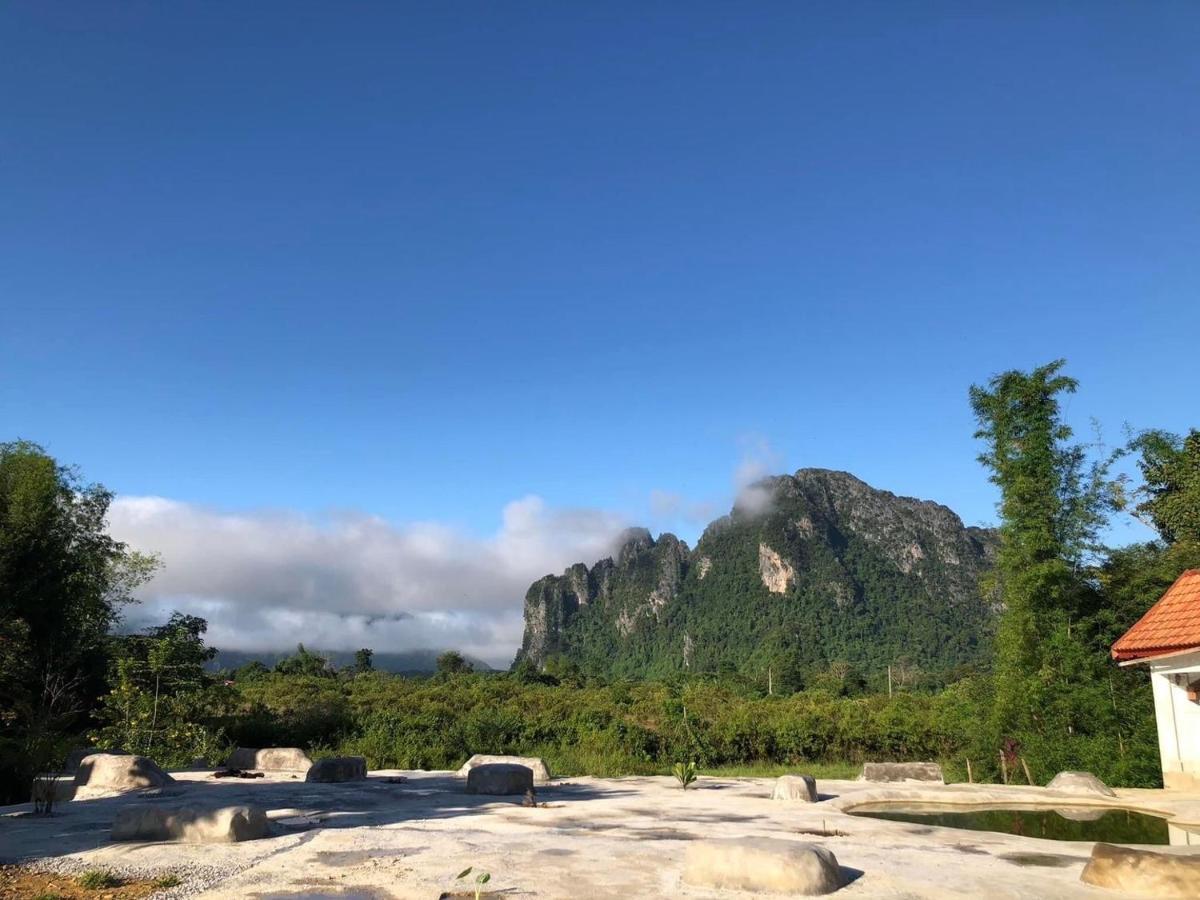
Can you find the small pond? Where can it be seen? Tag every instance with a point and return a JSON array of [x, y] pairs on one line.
[[1115, 826]]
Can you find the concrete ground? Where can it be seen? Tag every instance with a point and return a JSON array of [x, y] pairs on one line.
[[594, 838]]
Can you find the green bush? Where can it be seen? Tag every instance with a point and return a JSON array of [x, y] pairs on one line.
[[98, 879]]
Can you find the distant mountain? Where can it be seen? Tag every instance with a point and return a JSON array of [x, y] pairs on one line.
[[410, 662], [824, 567]]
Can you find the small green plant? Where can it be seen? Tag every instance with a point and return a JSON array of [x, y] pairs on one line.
[[480, 879], [97, 879], [49, 895], [685, 775], [169, 880]]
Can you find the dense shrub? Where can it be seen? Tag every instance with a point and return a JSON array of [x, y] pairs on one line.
[[645, 727]]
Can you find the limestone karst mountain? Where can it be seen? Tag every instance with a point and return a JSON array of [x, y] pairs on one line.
[[821, 567]]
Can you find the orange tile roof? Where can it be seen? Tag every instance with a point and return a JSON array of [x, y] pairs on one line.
[[1169, 626]]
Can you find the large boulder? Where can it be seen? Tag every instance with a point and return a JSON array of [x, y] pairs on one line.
[[911, 771], [190, 825], [118, 772], [762, 865], [338, 768], [269, 759], [1080, 783], [795, 787], [499, 778], [79, 754], [1143, 872], [535, 764]]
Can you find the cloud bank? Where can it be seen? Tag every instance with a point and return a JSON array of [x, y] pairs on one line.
[[267, 581]]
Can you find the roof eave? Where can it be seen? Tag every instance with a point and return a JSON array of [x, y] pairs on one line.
[[1155, 657]]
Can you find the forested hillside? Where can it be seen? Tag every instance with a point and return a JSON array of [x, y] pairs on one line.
[[819, 568]]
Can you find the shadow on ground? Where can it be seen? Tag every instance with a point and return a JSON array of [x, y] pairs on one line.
[[294, 806]]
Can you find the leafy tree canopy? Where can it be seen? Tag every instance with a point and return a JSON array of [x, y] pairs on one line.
[[1170, 467], [63, 581]]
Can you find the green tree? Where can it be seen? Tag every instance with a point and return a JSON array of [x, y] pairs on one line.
[[161, 702], [304, 662], [1170, 467], [1056, 690], [251, 670], [1050, 507], [453, 663], [564, 670], [63, 581], [363, 661]]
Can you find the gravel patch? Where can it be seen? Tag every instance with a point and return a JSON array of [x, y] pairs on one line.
[[194, 878]]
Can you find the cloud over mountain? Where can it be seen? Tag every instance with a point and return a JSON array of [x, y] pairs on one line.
[[268, 580]]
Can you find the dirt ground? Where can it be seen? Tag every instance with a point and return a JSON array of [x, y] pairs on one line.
[[20, 883], [387, 839]]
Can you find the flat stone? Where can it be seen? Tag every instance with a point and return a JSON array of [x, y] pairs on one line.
[[762, 864], [187, 824], [910, 771], [269, 759], [1143, 872], [535, 764], [795, 787], [336, 769], [117, 772], [499, 778], [1080, 783]]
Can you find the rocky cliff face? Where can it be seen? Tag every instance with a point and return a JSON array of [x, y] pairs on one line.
[[826, 568]]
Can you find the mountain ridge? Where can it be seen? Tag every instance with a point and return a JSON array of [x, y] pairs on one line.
[[813, 566]]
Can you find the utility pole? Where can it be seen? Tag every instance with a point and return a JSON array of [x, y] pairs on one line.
[[889, 680], [770, 683]]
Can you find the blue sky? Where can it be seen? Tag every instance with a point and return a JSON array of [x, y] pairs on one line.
[[421, 261]]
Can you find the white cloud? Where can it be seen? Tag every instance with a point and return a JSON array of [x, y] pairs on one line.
[[269, 580], [759, 459]]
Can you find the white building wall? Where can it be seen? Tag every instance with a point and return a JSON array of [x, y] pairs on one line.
[[1178, 719]]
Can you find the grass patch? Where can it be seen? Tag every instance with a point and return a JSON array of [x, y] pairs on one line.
[[166, 881], [97, 880]]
